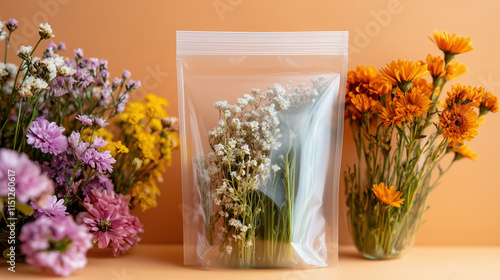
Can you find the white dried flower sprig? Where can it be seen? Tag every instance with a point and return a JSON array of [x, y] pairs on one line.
[[24, 52], [242, 144], [30, 85], [45, 31]]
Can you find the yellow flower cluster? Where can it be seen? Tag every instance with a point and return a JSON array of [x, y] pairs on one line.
[[144, 194], [155, 105], [134, 112], [151, 143]]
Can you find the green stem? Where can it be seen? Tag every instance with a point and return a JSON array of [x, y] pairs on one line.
[[7, 47], [17, 123], [70, 185]]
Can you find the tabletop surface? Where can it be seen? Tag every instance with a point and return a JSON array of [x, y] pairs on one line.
[[165, 261]]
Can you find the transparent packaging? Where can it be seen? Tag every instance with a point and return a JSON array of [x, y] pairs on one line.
[[261, 140]]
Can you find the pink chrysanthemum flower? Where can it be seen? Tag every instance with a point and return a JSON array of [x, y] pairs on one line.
[[109, 221], [99, 160], [47, 136], [99, 181], [49, 206], [29, 180], [84, 119], [74, 139], [98, 142], [56, 244], [101, 122]]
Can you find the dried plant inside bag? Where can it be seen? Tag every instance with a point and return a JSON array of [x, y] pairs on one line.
[[254, 171], [260, 174]]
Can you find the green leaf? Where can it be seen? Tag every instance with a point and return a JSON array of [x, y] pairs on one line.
[[24, 208]]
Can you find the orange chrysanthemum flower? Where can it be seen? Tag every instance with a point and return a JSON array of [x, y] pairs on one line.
[[461, 94], [389, 116], [488, 103], [464, 152], [387, 195], [403, 72], [414, 104], [422, 85], [455, 69], [384, 89], [362, 74], [365, 104], [363, 81], [451, 44], [459, 123], [435, 65]]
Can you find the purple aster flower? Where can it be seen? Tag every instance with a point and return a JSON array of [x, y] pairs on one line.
[[84, 119], [83, 77], [133, 85], [47, 170], [99, 160], [58, 87], [47, 136], [126, 74], [62, 161], [30, 182], [62, 188], [56, 244], [122, 100], [81, 149], [109, 221], [78, 54], [98, 181], [62, 46], [51, 49], [49, 206], [101, 122], [52, 45], [103, 64], [71, 63], [84, 63], [106, 95], [98, 142], [104, 75], [116, 82], [94, 62], [74, 139], [12, 24]]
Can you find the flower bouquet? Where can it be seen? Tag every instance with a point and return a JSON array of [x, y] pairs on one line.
[[403, 133], [74, 156]]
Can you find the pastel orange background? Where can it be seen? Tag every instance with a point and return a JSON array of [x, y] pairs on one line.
[[140, 36]]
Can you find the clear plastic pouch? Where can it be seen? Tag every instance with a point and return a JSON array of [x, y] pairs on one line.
[[261, 140]]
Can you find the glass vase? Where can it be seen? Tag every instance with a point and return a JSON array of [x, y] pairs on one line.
[[380, 231]]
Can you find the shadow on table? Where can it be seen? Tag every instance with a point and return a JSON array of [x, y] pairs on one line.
[[350, 255]]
